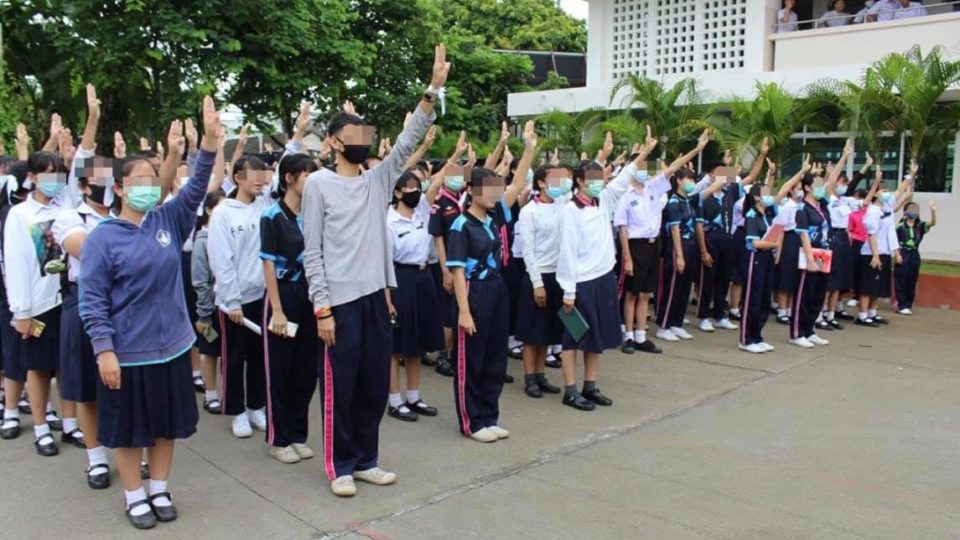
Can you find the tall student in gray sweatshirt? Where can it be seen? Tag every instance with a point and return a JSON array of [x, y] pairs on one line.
[[348, 263], [233, 246]]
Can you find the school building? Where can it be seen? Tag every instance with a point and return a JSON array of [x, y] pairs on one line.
[[728, 45]]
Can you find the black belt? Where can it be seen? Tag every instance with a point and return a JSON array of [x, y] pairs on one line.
[[403, 266], [646, 240], [838, 229]]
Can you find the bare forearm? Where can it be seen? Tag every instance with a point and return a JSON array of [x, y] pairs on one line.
[[460, 288]]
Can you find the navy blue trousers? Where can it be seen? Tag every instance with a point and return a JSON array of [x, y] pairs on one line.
[[905, 278], [756, 296], [807, 303], [242, 354], [482, 357], [715, 280], [356, 379], [676, 286]]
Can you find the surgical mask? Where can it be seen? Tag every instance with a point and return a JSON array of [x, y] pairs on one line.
[[529, 176], [819, 193], [767, 200], [641, 177], [454, 183], [689, 188], [51, 189], [411, 198], [798, 194], [143, 198], [555, 192], [424, 185], [568, 185], [356, 153], [594, 187], [97, 194], [911, 215], [885, 197], [841, 190]]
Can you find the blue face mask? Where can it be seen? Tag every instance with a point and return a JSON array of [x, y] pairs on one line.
[[424, 185], [594, 187], [143, 198], [641, 177], [885, 197], [454, 183], [555, 192], [689, 188], [51, 189], [568, 185], [820, 193], [841, 190], [767, 200], [529, 176]]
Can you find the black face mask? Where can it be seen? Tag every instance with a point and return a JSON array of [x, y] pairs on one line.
[[411, 198], [356, 153], [97, 193]]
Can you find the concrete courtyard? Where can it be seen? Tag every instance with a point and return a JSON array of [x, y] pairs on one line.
[[857, 440]]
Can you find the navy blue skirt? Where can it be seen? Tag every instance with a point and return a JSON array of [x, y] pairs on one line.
[[841, 268], [43, 353], [78, 365], [741, 259], [10, 344], [419, 327], [154, 401], [787, 273], [597, 302], [540, 325], [210, 348], [514, 274], [875, 283]]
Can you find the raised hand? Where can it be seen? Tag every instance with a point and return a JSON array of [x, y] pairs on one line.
[[848, 147], [160, 151], [806, 164], [212, 129], [190, 131], [431, 136], [650, 143], [119, 145], [555, 157], [471, 154], [67, 150], [727, 157], [303, 119], [914, 168], [704, 139], [529, 135], [349, 108], [765, 146], [771, 166], [144, 143], [93, 104], [56, 126], [462, 143], [175, 139], [869, 161], [441, 68]]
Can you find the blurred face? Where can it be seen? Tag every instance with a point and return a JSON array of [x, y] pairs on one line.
[[840, 5], [789, 3], [252, 182], [296, 182], [488, 192]]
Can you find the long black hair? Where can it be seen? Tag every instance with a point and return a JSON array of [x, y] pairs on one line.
[[751, 198], [293, 164], [210, 201]]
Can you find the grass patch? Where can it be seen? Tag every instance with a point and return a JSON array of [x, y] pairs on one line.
[[940, 269]]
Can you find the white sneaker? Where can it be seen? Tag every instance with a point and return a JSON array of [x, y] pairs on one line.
[[726, 324], [686, 320], [343, 487], [754, 348], [817, 340], [241, 426], [284, 454], [802, 342], [499, 432], [375, 476], [484, 436], [681, 333], [766, 346], [302, 450], [905, 311], [706, 325], [258, 418], [852, 303], [666, 335]]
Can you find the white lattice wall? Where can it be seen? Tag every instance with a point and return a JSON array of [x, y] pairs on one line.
[[677, 37]]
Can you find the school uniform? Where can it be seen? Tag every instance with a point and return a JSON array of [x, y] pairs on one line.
[[641, 212], [477, 248], [348, 264], [585, 268], [445, 210], [787, 272], [203, 281], [758, 284], [811, 221], [419, 328], [10, 340], [715, 215], [78, 366], [514, 271], [679, 212], [878, 222], [291, 362], [841, 273], [131, 303], [538, 232], [858, 235], [907, 273], [741, 257], [233, 247]]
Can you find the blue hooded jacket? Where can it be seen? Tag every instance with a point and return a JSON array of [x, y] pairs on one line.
[[131, 288]]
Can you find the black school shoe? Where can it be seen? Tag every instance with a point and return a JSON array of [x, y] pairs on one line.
[[429, 360], [880, 320], [74, 437], [445, 368], [163, 513], [649, 347], [145, 521], [48, 448], [834, 324], [553, 361], [101, 477], [420, 407], [733, 317], [596, 397], [516, 353], [844, 316], [402, 413], [628, 346], [533, 390], [213, 406], [866, 322], [24, 406], [578, 402], [199, 385], [11, 432], [547, 388], [55, 423], [823, 325], [783, 320], [508, 378]]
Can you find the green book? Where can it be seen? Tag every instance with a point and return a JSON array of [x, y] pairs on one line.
[[574, 323]]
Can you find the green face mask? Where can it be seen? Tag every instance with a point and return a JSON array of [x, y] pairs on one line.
[[594, 187], [424, 185], [143, 198]]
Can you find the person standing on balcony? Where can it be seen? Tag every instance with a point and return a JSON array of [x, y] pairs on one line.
[[889, 10], [836, 16], [786, 18]]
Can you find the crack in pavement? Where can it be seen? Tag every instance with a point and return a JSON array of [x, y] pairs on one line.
[[592, 439]]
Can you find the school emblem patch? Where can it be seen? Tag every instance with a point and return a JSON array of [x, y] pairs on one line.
[[163, 237]]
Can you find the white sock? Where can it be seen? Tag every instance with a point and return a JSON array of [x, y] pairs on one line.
[[137, 495], [556, 349], [862, 316], [872, 313], [639, 336], [41, 430], [413, 396], [159, 486], [512, 342], [819, 317], [10, 414], [211, 395], [735, 312], [49, 406], [829, 315], [783, 312], [97, 456], [395, 400], [250, 412], [775, 305], [196, 373], [69, 424]]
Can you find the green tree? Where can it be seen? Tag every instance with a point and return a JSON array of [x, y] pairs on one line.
[[538, 25], [675, 114], [565, 131]]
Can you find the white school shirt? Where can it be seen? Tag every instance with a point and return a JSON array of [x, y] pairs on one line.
[[861, 16], [840, 209], [586, 239], [70, 222], [641, 212], [787, 215], [882, 228], [410, 239], [790, 26], [538, 234], [28, 245]]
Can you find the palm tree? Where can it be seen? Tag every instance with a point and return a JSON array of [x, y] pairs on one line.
[[557, 129], [675, 113]]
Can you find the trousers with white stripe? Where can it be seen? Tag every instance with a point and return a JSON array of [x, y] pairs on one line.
[[672, 303], [807, 303]]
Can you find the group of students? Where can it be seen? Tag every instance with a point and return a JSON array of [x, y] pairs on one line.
[[132, 280]]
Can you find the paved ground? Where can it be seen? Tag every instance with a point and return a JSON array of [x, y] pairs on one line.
[[856, 440]]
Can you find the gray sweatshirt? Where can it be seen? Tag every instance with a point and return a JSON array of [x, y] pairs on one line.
[[347, 252], [201, 276], [233, 247]]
